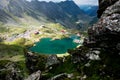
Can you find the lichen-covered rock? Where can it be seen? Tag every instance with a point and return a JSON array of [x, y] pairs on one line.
[[34, 76], [79, 54], [103, 4], [35, 62], [59, 77], [52, 60], [10, 71], [106, 33], [106, 36], [103, 45]]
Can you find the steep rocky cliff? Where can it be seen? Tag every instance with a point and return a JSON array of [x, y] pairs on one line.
[[103, 4], [100, 52]]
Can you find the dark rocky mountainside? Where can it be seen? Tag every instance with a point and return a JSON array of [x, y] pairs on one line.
[[100, 52], [103, 4], [67, 12]]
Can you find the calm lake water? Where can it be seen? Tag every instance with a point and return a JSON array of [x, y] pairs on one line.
[[49, 46]]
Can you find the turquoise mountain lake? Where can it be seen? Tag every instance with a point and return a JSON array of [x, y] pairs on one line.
[[49, 46]]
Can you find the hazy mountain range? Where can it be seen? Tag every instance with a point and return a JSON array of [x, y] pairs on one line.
[[22, 12], [91, 10]]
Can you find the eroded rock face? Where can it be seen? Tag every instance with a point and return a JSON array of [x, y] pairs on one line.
[[103, 44], [106, 36], [106, 33], [35, 76], [79, 55], [10, 71], [52, 60], [35, 62], [103, 4], [59, 77]]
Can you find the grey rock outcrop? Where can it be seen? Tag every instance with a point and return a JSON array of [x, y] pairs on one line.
[[102, 47], [62, 76], [10, 71], [52, 60], [59, 76], [103, 4], [107, 29], [34, 76], [35, 62]]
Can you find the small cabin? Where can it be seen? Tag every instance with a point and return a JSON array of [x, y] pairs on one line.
[[63, 31], [78, 34], [36, 33], [42, 26]]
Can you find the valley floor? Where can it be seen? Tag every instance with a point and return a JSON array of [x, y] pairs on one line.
[[14, 42]]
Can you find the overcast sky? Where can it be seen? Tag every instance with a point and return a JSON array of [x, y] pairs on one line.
[[79, 2]]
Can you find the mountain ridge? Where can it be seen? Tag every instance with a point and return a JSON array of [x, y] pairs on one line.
[[43, 12], [91, 10]]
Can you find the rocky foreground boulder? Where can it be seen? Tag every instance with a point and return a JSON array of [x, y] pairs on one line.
[[10, 71], [52, 60], [35, 76], [106, 32], [103, 4], [35, 62]]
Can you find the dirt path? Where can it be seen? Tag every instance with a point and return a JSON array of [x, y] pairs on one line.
[[26, 35]]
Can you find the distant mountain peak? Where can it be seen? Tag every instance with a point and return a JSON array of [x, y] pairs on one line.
[[91, 10], [66, 12]]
